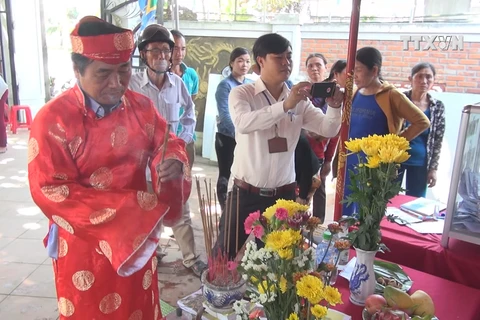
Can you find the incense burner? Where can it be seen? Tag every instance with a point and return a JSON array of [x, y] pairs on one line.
[[222, 297]]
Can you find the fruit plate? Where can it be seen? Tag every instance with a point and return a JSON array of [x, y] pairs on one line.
[[367, 316], [390, 271]]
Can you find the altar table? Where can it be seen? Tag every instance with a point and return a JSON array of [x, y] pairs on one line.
[[452, 300], [460, 262]]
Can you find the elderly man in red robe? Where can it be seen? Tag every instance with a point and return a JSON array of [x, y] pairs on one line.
[[88, 152]]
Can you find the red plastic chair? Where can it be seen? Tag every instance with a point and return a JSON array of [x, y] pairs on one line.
[[14, 123]]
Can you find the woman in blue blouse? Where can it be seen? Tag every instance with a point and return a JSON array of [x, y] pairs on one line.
[[225, 137], [377, 108], [425, 149]]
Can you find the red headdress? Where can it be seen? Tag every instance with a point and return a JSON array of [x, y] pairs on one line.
[[99, 40]]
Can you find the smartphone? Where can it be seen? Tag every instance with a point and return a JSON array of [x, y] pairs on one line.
[[323, 89]]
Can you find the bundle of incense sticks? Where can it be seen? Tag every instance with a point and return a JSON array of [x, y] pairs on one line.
[[164, 151], [221, 270]]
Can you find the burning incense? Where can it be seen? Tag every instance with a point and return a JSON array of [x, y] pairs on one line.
[[164, 151]]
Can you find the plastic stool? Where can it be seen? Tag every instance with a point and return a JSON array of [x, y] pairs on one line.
[[14, 123]]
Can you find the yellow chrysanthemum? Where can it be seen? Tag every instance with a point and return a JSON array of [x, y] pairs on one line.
[[293, 316], [373, 162], [310, 288], [284, 239], [253, 279], [388, 154], [282, 284], [286, 254], [370, 146], [291, 206], [354, 145], [264, 285], [332, 295], [399, 142], [402, 157], [319, 311]]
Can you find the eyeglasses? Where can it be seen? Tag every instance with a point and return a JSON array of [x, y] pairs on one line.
[[157, 52]]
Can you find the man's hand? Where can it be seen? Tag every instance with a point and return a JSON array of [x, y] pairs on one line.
[[170, 169], [326, 169], [301, 201], [337, 99], [299, 92], [432, 178]]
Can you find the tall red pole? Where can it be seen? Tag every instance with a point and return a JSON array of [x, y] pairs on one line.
[[347, 108]]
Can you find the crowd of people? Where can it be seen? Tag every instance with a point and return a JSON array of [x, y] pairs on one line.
[[109, 159]]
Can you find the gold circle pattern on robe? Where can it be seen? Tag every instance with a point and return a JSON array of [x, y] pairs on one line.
[[56, 193], [154, 263], [62, 223], [139, 240], [74, 145], [33, 149], [146, 200], [150, 129], [101, 178], [136, 315], [106, 249], [60, 176], [62, 247], [110, 303], [83, 280], [102, 216], [66, 307], [119, 137], [147, 279]]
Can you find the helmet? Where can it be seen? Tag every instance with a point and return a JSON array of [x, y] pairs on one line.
[[155, 33]]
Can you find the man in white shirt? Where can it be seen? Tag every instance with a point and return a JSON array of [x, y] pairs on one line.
[[168, 93], [268, 118]]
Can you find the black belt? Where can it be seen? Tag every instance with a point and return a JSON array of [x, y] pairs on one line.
[[265, 192]]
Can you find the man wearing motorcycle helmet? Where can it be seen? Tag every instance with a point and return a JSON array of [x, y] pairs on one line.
[[169, 94]]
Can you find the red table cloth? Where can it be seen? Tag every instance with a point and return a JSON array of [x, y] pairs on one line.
[[460, 262], [452, 300]]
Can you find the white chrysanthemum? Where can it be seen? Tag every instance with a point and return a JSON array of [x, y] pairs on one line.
[[237, 307], [272, 297], [263, 298], [272, 276]]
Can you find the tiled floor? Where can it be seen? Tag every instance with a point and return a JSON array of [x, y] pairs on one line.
[[27, 290]]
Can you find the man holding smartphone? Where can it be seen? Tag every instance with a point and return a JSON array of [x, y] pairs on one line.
[[268, 118]]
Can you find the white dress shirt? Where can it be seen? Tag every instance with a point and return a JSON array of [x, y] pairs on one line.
[[254, 113], [168, 101]]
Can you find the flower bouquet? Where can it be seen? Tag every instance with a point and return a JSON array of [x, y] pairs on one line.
[[373, 185], [282, 275]]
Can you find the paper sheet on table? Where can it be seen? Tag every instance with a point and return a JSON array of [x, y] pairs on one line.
[[348, 270], [435, 227]]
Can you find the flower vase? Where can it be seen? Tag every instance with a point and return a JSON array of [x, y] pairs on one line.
[[362, 282]]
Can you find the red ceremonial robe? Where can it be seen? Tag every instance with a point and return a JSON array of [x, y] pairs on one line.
[[88, 177]]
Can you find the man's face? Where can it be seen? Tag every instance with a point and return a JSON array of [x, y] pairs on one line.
[[179, 51], [277, 66], [103, 82], [157, 54]]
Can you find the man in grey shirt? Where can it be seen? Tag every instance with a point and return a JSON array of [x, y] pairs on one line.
[[168, 93]]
